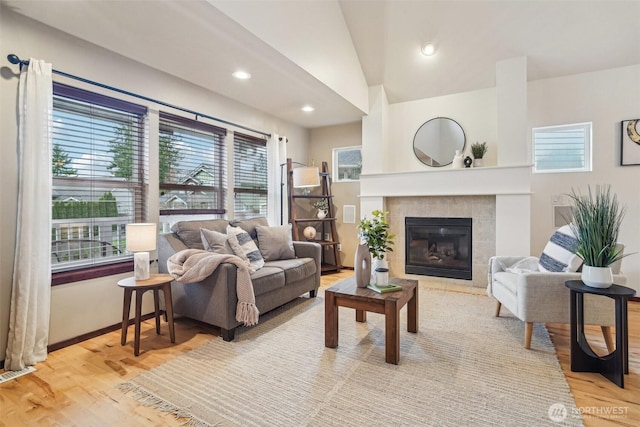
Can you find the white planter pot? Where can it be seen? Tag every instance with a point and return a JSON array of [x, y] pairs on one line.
[[478, 163], [597, 277], [378, 263], [322, 214]]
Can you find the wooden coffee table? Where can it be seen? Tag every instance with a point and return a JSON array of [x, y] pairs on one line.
[[347, 294]]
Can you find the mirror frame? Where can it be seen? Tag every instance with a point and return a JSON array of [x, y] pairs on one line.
[[450, 160]]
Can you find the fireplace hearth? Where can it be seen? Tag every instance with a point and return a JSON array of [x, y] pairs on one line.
[[438, 247]]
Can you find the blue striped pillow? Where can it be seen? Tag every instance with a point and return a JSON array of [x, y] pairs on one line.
[[559, 255], [243, 246]]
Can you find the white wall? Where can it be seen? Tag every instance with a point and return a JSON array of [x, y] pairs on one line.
[[474, 111], [604, 98], [82, 307]]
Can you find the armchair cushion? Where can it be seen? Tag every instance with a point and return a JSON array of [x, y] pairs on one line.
[[559, 255]]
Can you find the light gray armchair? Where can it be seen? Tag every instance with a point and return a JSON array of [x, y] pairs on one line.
[[535, 296]]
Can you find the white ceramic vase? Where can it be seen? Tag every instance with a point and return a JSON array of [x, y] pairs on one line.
[[478, 163], [322, 214], [362, 265], [597, 277]]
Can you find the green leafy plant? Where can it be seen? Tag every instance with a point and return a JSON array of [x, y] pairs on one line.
[[321, 205], [596, 219], [375, 233], [478, 150]]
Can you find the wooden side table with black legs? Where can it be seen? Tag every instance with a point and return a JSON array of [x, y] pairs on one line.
[[155, 283], [614, 365]]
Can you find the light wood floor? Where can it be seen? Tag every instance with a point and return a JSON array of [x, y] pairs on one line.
[[76, 385]]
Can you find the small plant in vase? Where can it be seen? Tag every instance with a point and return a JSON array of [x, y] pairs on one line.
[[478, 150], [322, 206], [596, 220], [375, 234]]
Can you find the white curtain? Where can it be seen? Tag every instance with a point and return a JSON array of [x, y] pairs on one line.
[[277, 201], [31, 291]]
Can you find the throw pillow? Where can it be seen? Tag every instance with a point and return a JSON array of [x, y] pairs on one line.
[[249, 225], [275, 242], [243, 246], [559, 255], [189, 231], [215, 242]]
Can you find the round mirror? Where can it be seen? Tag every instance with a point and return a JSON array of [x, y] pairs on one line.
[[437, 140]]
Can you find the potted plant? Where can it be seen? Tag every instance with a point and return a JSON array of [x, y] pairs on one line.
[[596, 220], [322, 206], [478, 151], [375, 234]]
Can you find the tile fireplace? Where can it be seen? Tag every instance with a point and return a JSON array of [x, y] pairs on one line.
[[440, 247]]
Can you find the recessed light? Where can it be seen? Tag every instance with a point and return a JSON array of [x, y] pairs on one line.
[[428, 49], [241, 75], [307, 108]]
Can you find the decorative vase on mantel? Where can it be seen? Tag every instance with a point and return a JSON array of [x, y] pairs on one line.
[[478, 163], [362, 265], [597, 277]]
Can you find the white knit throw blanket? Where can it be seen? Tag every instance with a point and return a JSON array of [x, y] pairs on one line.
[[195, 265]]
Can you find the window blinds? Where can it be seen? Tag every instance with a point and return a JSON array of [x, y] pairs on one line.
[[249, 176]]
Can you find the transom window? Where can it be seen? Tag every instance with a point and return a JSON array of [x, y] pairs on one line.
[[565, 148], [99, 171]]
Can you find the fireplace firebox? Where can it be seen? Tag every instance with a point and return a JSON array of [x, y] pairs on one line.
[[438, 247]]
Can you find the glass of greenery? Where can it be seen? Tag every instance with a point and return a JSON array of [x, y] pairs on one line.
[[375, 233]]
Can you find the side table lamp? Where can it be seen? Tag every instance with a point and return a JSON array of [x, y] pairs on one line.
[[141, 238], [306, 177]]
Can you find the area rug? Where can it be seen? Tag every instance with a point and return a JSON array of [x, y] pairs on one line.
[[464, 367]]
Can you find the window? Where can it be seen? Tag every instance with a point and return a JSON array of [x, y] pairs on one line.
[[249, 176], [98, 168], [565, 148], [347, 164], [192, 167]]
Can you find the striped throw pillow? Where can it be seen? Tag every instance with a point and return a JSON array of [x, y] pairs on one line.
[[243, 246], [559, 255]]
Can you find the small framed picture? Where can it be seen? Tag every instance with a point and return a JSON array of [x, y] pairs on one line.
[[630, 145], [347, 164]]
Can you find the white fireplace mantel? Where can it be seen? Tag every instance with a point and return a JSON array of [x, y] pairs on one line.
[[448, 182], [511, 186]]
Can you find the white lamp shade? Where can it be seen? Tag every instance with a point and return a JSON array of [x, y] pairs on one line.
[[141, 237], [305, 177]]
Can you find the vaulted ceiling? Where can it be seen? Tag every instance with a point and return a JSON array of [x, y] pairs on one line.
[[326, 53]]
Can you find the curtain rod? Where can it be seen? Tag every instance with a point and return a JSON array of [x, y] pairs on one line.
[[14, 59]]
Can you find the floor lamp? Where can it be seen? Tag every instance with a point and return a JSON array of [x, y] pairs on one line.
[[305, 177]]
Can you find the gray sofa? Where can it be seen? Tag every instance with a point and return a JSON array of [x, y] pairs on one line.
[[214, 299]]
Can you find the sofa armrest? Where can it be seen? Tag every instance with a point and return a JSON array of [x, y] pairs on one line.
[[310, 250], [499, 263], [168, 244]]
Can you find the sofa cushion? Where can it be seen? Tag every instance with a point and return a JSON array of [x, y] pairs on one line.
[[267, 279], [249, 225], [215, 242], [295, 269], [559, 254], [189, 231], [244, 247], [275, 242]]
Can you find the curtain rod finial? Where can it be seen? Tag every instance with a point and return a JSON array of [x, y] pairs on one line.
[[14, 59]]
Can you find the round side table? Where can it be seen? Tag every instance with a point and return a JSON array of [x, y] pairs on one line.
[[155, 283], [613, 366]]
